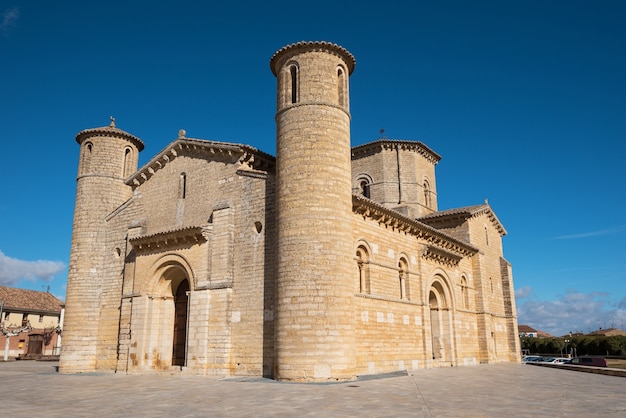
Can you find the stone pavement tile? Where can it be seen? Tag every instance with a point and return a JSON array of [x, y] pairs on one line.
[[520, 391], [35, 389]]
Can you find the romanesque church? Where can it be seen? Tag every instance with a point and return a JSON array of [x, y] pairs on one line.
[[323, 263]]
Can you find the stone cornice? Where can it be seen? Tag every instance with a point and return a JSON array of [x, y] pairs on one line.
[[109, 131], [448, 245], [312, 103], [464, 213], [167, 239], [442, 256], [388, 299], [288, 51], [387, 144], [247, 157]]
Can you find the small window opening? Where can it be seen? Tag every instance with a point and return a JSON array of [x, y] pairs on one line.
[[403, 272], [464, 292], [364, 188], [427, 194], [86, 158], [127, 162], [182, 186], [294, 83], [362, 259], [341, 87]]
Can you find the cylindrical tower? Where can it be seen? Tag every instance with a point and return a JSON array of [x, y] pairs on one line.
[[315, 322], [108, 156]]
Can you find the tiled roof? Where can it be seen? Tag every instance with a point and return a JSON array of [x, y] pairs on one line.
[[246, 155], [525, 329], [382, 214], [109, 131], [386, 143], [317, 45], [29, 300]]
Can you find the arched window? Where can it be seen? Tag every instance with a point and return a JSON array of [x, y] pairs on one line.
[[128, 161], [362, 259], [85, 164], [464, 292], [427, 197], [293, 72], [342, 87], [486, 236], [364, 188], [362, 185], [403, 275]]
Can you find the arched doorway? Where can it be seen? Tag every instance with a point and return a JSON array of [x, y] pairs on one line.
[[179, 344], [440, 323], [435, 325]]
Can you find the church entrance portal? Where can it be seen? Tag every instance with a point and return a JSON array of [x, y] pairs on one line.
[[179, 346], [440, 323]]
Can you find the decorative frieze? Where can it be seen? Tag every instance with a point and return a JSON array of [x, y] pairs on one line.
[[392, 144], [441, 256], [168, 239], [395, 220]]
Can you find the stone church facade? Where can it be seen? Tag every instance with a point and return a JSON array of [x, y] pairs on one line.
[[323, 263]]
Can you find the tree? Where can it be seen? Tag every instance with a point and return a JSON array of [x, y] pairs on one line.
[[12, 331]]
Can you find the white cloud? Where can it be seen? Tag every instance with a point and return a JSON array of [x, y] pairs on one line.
[[607, 231], [523, 292], [9, 17], [13, 270], [574, 311]]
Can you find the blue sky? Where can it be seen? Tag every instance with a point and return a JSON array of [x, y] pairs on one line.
[[524, 100]]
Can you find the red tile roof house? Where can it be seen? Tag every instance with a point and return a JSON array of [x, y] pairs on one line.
[[526, 331], [39, 317]]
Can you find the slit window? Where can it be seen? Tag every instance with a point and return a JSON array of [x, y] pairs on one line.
[[182, 186], [293, 71]]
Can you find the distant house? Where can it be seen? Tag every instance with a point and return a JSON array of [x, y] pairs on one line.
[[42, 310], [526, 331], [609, 332]]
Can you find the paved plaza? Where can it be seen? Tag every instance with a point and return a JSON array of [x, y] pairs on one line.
[[35, 389]]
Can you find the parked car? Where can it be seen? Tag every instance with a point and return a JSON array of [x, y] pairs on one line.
[[588, 361], [557, 360], [530, 359]]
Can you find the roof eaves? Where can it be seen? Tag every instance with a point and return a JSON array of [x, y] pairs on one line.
[[384, 143], [253, 157], [369, 208]]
